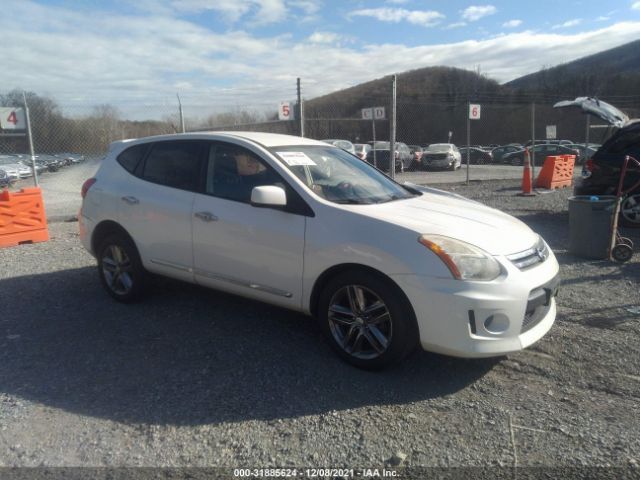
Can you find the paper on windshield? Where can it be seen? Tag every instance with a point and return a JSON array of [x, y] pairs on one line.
[[296, 158]]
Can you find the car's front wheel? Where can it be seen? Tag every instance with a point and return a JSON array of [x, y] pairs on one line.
[[120, 268], [367, 319]]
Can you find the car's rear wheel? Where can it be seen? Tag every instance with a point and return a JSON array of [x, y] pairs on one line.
[[120, 268], [630, 210], [367, 319]]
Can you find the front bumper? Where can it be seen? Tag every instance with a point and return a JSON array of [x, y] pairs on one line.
[[484, 319], [448, 163]]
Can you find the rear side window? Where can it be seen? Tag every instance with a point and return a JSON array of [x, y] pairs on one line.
[[131, 157], [174, 164]]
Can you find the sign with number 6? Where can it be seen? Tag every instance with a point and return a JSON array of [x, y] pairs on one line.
[[12, 119], [474, 111]]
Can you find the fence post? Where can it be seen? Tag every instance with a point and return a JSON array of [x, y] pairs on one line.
[[468, 138], [30, 139], [300, 108], [373, 131], [392, 132], [533, 140], [181, 114]]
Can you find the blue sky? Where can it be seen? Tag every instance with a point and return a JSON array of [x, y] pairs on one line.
[[249, 52]]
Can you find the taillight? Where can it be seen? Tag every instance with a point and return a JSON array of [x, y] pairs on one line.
[[590, 166], [86, 186]]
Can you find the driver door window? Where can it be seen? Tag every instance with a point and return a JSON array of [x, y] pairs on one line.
[[233, 172]]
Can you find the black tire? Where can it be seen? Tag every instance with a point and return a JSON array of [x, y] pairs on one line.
[[398, 327], [622, 253], [112, 277], [517, 161]]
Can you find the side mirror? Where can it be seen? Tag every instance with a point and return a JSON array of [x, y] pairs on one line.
[[268, 196]]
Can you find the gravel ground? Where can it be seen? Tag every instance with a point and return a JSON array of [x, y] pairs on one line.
[[192, 377]]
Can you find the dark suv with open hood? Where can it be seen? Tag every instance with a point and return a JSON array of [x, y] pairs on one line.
[[601, 173]]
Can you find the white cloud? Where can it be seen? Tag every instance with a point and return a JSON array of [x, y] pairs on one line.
[[635, 6], [307, 6], [324, 37], [137, 63], [512, 24], [397, 2], [456, 25], [260, 11], [476, 12], [396, 15], [568, 24]]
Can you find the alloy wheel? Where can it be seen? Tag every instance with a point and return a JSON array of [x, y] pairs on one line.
[[117, 270], [360, 322]]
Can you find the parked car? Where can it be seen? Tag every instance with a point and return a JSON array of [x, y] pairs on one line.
[[361, 150], [601, 173], [4, 179], [383, 267], [499, 152], [70, 158], [406, 156], [540, 154], [380, 157], [476, 155], [416, 151], [585, 152], [14, 169], [549, 142], [441, 155], [346, 145]]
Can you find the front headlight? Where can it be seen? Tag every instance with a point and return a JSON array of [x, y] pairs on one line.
[[465, 261]]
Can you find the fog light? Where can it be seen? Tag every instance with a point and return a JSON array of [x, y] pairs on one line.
[[497, 323]]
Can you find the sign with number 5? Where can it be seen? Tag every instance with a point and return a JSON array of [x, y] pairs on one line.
[[474, 111], [12, 119], [285, 112]]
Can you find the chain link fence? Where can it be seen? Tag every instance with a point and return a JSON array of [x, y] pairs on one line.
[[65, 138]]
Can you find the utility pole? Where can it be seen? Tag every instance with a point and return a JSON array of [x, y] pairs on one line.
[[300, 108]]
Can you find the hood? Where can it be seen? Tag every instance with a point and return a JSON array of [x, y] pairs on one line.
[[444, 213], [600, 109]]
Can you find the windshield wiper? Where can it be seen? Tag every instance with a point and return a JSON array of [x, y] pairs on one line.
[[351, 201]]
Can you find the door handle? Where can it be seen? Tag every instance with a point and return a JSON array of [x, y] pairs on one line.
[[130, 200], [206, 216]]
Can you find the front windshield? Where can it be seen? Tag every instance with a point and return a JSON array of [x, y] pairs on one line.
[[339, 177], [438, 148]]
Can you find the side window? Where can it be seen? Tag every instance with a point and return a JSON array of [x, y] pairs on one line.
[[174, 164], [234, 171], [131, 157]]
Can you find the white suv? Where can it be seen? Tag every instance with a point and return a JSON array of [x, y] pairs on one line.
[[306, 226]]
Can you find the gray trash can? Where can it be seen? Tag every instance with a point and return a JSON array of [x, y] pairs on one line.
[[590, 225]]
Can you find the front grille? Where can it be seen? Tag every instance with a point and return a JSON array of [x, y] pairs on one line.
[[539, 303], [530, 257]]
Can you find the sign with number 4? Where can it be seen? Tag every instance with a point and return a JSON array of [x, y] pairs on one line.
[[12, 119]]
